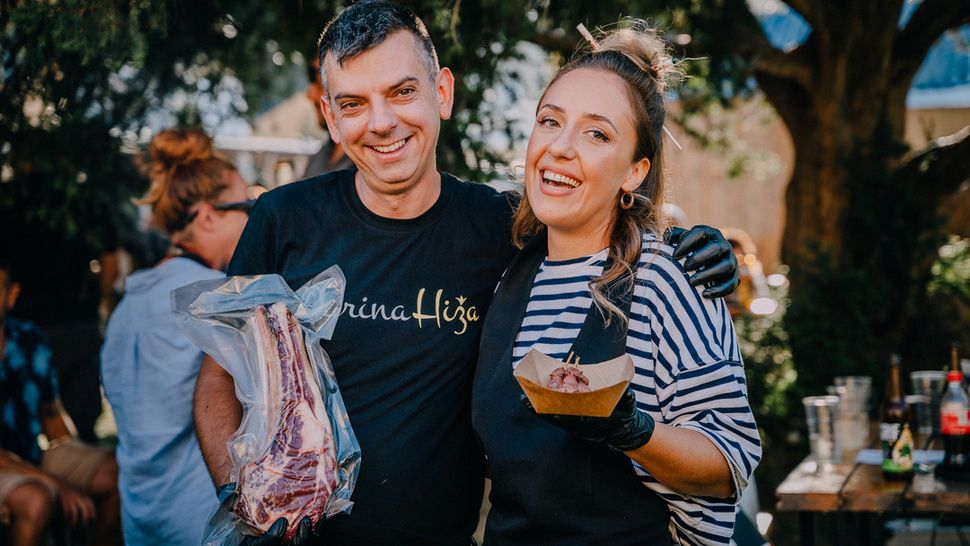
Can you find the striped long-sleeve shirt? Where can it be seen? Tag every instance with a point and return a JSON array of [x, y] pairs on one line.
[[689, 372]]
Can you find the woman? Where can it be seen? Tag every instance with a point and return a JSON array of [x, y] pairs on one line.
[[595, 279], [149, 367]]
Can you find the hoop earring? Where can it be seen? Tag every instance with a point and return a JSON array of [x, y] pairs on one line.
[[627, 200], [517, 173]]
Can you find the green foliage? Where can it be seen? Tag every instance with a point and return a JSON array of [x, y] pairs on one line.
[[832, 300], [774, 391], [768, 361], [78, 80], [945, 313], [951, 270], [56, 109]]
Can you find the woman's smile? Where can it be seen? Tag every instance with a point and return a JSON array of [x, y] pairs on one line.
[[555, 183]]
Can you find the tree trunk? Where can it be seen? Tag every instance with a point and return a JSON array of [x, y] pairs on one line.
[[859, 239]]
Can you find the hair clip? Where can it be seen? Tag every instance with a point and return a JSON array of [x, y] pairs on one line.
[[589, 36], [669, 134]]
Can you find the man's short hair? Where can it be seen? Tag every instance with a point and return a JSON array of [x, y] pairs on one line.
[[365, 25]]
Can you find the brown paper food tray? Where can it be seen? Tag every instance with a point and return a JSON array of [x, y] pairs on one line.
[[607, 382]]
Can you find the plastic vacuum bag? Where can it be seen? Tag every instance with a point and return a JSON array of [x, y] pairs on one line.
[[295, 453]]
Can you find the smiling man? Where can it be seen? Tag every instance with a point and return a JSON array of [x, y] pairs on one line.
[[389, 124], [422, 252]]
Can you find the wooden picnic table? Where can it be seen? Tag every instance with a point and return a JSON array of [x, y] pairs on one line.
[[860, 489]]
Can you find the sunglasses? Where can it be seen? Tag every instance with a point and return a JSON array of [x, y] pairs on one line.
[[241, 206]]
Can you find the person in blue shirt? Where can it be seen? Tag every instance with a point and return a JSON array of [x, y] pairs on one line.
[[148, 366], [70, 480]]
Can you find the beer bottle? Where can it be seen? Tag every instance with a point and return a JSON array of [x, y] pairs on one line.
[[955, 417], [894, 429]]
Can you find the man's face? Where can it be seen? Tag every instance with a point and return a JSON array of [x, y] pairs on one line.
[[386, 111]]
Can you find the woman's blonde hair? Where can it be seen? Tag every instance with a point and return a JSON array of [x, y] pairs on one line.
[[183, 169], [634, 52]]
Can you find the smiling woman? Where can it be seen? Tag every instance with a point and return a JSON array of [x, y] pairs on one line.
[[617, 105], [595, 279], [578, 159]]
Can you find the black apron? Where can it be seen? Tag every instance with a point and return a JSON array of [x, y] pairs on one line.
[[548, 487]]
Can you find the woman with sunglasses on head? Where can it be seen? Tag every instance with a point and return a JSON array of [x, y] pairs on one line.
[[595, 279], [148, 367]]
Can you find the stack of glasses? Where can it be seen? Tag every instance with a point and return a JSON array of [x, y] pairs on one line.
[[838, 424]]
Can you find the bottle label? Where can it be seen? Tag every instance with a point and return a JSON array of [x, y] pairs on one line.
[[888, 434], [955, 423], [897, 448]]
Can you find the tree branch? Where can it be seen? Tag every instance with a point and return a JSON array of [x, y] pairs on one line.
[[765, 58], [790, 66], [790, 100], [942, 165], [560, 42], [808, 9], [930, 20]]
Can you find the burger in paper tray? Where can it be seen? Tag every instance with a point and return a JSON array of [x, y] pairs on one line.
[[544, 380]]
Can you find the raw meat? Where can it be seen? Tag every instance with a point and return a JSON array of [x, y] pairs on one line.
[[568, 379], [297, 473]]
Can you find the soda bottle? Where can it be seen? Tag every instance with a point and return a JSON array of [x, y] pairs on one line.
[[894, 429], [955, 418]]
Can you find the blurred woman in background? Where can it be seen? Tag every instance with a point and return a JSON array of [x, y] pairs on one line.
[[198, 200]]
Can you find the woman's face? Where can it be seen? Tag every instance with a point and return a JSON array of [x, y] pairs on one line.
[[228, 225], [580, 154]]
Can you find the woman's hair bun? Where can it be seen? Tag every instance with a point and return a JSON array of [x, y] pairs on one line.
[[644, 46], [183, 169], [178, 147]]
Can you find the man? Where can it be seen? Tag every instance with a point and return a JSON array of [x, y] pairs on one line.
[[80, 479], [422, 252], [331, 156]]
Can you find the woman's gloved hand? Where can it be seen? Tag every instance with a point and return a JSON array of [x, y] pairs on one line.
[[626, 429], [709, 257]]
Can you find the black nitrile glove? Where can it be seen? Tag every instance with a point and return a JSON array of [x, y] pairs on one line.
[[710, 255], [626, 429], [276, 535]]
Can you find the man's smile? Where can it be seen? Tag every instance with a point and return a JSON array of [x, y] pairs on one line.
[[390, 148]]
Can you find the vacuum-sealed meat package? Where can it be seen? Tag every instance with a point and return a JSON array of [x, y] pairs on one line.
[[294, 454]]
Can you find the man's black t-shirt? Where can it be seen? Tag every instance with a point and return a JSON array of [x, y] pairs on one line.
[[405, 346]]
